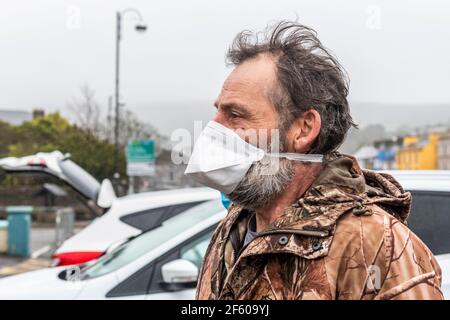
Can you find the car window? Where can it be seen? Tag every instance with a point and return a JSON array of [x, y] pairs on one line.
[[150, 240], [195, 251], [430, 219], [139, 283], [152, 218]]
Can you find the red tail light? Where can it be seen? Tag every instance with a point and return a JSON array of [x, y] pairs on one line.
[[69, 258]]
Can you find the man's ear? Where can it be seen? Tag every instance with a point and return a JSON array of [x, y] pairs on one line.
[[304, 131]]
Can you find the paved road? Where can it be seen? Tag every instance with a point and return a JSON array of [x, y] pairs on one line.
[[6, 261]]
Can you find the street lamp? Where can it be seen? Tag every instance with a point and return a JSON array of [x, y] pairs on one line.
[[139, 27]]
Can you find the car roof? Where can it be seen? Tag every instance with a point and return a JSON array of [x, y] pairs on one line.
[[422, 180], [154, 199], [171, 192]]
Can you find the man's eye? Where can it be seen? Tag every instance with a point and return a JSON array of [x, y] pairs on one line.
[[234, 115]]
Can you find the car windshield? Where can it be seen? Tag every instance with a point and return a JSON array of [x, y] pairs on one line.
[[150, 240]]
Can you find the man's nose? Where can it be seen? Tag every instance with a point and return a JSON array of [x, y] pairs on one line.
[[220, 118]]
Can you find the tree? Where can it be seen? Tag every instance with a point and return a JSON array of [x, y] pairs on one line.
[[89, 140], [53, 132], [7, 137], [89, 118], [91, 153], [87, 111], [41, 134]]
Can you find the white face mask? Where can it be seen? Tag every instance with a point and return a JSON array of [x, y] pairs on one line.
[[221, 158]]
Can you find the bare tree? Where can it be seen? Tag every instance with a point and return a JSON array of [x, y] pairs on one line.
[[89, 117], [87, 111], [130, 127]]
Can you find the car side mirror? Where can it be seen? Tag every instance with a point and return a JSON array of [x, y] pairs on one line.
[[179, 274]]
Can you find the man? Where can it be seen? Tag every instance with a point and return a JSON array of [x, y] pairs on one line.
[[310, 230]]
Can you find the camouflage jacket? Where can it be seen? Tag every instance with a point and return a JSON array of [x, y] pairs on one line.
[[345, 238]]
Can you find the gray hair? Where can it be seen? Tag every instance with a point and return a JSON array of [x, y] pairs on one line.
[[309, 77], [261, 185]]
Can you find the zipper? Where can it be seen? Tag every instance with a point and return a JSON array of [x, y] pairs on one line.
[[235, 242]]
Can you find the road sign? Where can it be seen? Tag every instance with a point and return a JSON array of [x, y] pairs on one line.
[[141, 157]]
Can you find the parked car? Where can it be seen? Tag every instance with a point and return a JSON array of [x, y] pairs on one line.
[[430, 213], [162, 263], [121, 218], [128, 217], [54, 164]]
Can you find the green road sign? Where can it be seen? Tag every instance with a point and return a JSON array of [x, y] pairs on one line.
[[141, 157], [141, 150]]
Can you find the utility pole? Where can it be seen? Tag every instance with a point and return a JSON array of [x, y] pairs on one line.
[[109, 118], [140, 28], [116, 100]]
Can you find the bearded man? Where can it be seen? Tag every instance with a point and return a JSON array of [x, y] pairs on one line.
[[310, 229]]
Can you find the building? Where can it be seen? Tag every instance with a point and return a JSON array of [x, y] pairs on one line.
[[418, 153], [386, 151], [444, 151], [366, 156], [14, 117]]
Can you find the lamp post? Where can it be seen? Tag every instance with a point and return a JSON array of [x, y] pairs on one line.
[[140, 28]]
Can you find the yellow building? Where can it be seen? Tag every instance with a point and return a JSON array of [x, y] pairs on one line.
[[418, 155]]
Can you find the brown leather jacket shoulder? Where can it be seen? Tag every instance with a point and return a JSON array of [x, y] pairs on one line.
[[346, 238], [377, 257]]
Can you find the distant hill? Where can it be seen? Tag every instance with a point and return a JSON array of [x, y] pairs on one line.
[[378, 121], [356, 138], [397, 116]]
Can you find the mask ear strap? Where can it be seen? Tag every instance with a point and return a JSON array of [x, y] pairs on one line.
[[298, 156]]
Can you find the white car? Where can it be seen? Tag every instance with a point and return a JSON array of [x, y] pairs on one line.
[[128, 216], [430, 213], [162, 263], [121, 218]]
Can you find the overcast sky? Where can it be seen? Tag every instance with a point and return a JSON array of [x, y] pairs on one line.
[[394, 51]]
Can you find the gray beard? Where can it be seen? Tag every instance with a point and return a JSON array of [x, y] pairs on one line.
[[260, 186]]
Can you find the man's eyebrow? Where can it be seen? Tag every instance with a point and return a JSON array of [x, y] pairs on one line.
[[233, 105]]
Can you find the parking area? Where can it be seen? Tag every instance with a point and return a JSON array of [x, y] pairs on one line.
[[139, 246], [42, 246]]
